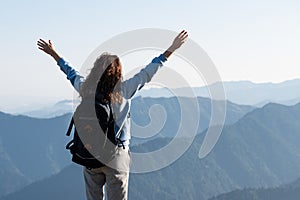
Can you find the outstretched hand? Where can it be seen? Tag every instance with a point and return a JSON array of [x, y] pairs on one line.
[[48, 48], [177, 42]]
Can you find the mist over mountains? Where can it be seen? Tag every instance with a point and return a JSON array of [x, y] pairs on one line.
[[238, 92], [243, 92]]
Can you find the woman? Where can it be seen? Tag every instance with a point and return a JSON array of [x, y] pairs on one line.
[[105, 78]]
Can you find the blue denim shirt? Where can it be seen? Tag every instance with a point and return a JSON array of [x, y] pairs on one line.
[[128, 88]]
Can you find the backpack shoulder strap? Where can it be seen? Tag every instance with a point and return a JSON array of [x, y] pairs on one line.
[[70, 127]]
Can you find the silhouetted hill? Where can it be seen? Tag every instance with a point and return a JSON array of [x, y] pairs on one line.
[[31, 149], [260, 150], [11, 177], [67, 184], [287, 192], [264, 142]]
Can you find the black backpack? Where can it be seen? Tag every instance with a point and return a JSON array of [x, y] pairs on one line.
[[94, 140]]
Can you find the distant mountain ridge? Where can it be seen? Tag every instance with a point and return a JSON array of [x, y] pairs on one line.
[[55, 110], [242, 92]]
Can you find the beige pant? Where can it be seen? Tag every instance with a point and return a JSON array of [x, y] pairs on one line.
[[116, 180]]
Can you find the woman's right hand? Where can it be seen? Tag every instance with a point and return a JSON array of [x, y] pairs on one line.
[[48, 48]]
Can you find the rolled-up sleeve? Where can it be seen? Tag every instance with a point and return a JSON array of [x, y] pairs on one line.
[[132, 85], [75, 78]]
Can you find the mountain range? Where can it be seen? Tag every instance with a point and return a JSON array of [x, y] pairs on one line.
[[32, 148], [259, 150]]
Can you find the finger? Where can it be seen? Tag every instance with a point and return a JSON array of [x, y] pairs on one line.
[[184, 39], [178, 36], [184, 33], [40, 43], [50, 42], [40, 48], [43, 41], [185, 36]]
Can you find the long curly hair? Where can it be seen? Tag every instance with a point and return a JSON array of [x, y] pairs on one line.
[[104, 79]]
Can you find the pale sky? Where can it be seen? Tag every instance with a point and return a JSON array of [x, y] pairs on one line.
[[255, 40]]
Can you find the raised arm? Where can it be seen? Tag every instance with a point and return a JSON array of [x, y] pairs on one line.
[[132, 85], [75, 78]]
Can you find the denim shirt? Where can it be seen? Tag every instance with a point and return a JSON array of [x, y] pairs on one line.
[[128, 88]]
